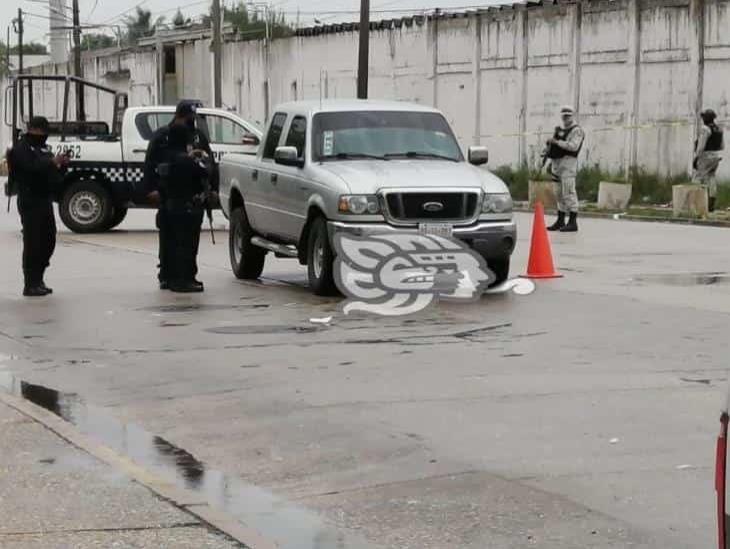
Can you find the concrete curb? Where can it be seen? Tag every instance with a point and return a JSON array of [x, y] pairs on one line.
[[186, 500], [645, 218]]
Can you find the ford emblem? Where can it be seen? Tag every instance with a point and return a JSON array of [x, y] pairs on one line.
[[433, 207]]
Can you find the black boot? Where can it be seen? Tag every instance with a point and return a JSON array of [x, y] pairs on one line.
[[33, 286], [559, 222], [711, 204], [43, 286], [185, 287], [34, 291], [572, 225]]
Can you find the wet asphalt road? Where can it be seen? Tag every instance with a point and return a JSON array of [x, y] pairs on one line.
[[583, 415]]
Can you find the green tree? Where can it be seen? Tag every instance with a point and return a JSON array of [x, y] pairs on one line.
[[252, 25], [179, 19], [140, 25], [31, 48], [97, 41], [3, 64]]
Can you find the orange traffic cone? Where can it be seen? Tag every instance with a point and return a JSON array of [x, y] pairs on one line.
[[540, 264]]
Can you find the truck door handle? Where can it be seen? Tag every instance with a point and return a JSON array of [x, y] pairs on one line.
[[255, 175], [274, 178], [139, 150]]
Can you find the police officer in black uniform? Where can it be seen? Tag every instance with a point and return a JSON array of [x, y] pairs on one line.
[[185, 115], [37, 175], [183, 194]]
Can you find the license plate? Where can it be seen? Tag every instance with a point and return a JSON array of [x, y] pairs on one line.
[[436, 229]]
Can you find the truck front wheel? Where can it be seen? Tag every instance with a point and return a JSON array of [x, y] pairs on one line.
[[247, 260], [86, 207], [320, 259], [500, 267]]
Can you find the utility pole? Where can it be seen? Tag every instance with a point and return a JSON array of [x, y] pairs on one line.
[[19, 30], [80, 110], [7, 52], [20, 41], [217, 55], [364, 56]]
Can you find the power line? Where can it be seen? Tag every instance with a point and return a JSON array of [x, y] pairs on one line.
[[45, 3], [126, 11], [39, 15], [88, 17]]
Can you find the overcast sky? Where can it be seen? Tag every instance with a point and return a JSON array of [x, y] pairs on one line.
[[112, 11]]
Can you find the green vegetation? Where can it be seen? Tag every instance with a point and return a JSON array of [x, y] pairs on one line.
[[650, 193], [32, 48], [647, 188], [252, 26], [139, 25], [95, 41]]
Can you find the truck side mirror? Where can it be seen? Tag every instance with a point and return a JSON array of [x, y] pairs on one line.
[[478, 155], [288, 156], [250, 139]]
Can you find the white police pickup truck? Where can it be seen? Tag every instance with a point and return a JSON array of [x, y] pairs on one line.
[[104, 176], [107, 156]]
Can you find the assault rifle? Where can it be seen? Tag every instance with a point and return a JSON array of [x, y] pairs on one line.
[[202, 158]]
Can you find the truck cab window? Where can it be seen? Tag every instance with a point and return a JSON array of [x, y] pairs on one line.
[[274, 135], [297, 135], [149, 122], [224, 131]]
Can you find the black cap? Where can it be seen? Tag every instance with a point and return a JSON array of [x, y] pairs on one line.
[[185, 108], [39, 123], [708, 115]]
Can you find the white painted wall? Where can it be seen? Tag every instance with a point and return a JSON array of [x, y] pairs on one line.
[[633, 67]]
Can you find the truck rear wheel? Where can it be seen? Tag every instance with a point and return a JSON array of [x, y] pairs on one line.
[[247, 260], [320, 259], [86, 207]]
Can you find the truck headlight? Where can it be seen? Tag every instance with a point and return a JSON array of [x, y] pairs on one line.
[[359, 204], [497, 203]]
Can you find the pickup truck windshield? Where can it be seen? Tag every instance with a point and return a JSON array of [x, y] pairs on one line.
[[362, 135]]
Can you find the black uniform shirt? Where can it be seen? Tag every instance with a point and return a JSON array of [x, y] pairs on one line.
[[34, 173], [156, 153], [184, 177]]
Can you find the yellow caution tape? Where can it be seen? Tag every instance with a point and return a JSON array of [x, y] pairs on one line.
[[672, 124]]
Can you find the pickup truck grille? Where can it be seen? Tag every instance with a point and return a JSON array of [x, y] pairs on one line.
[[432, 206]]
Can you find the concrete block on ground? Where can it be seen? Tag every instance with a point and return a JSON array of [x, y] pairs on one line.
[[689, 201], [542, 191], [614, 196]]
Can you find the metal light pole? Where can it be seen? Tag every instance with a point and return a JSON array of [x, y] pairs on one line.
[[78, 73], [364, 54], [217, 54]]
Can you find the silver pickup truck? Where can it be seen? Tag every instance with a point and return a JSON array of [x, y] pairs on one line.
[[359, 167]]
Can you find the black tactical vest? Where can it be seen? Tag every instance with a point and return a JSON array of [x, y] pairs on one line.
[[562, 134], [715, 141]]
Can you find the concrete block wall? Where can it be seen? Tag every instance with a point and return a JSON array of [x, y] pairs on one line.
[[638, 71]]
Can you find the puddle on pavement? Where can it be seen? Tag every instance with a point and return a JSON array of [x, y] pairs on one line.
[[258, 330], [684, 279], [194, 307], [289, 526]]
